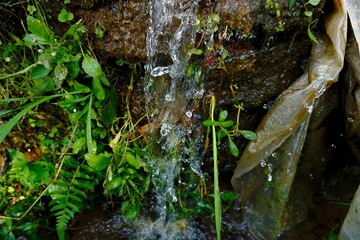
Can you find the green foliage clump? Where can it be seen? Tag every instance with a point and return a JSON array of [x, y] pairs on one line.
[[77, 154]]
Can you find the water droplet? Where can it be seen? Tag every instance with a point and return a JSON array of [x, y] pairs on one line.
[[333, 146], [188, 114], [269, 177], [311, 176], [165, 129], [320, 89], [274, 155], [289, 154], [309, 108], [199, 94], [74, 110], [266, 106], [169, 97], [263, 163], [158, 71], [350, 120]]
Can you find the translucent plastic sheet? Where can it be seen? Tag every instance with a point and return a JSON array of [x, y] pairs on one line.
[[294, 105], [285, 124], [351, 226]]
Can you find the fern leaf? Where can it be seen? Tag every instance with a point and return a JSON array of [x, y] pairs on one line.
[[83, 175], [56, 208], [72, 206], [75, 198], [78, 192], [83, 184]]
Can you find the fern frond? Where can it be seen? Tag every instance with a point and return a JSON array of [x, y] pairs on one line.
[[68, 194]]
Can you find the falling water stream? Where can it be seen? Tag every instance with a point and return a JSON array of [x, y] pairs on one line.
[[168, 100]]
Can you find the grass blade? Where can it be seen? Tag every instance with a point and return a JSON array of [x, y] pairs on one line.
[[6, 128]]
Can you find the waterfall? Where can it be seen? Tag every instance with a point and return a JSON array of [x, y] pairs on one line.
[[169, 95]]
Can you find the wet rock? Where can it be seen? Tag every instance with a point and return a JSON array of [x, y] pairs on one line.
[[269, 16], [124, 24], [259, 76]]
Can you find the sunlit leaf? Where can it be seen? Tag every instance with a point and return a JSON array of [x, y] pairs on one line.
[[208, 123], [91, 66], [223, 115], [131, 159], [227, 124], [99, 161], [314, 2], [80, 87], [79, 144], [39, 29], [44, 84], [39, 71], [114, 183]]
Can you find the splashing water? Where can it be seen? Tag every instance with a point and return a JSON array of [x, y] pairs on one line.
[[168, 93]]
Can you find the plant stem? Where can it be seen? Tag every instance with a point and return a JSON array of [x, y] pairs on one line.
[[216, 174]]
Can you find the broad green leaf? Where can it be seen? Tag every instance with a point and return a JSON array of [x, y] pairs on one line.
[[233, 148], [311, 35], [227, 124], [223, 115], [190, 70], [209, 122], [104, 80], [314, 2], [44, 84], [99, 161], [80, 87], [39, 71], [98, 89], [131, 159], [196, 51], [78, 145], [64, 16], [220, 134], [129, 210], [291, 4], [308, 13], [229, 196], [248, 134], [74, 68], [114, 183], [91, 66], [39, 29]]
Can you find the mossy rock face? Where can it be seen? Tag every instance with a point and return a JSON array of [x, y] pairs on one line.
[[125, 25], [269, 16]]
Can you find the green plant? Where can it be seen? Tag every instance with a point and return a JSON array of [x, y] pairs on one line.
[[223, 124], [58, 71], [69, 192], [308, 13], [65, 16]]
